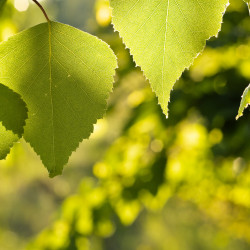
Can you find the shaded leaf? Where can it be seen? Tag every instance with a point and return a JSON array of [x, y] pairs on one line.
[[245, 101], [13, 113], [13, 110], [65, 76], [164, 37]]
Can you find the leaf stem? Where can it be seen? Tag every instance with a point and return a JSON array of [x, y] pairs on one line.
[[42, 9]]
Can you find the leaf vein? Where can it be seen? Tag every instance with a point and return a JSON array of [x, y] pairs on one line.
[[164, 50], [51, 97], [34, 54], [19, 45], [94, 102], [72, 52]]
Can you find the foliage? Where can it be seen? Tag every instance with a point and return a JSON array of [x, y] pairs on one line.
[[60, 82], [150, 164], [177, 30], [244, 102], [145, 182]]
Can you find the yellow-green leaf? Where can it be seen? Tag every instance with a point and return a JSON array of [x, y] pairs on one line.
[[164, 36], [245, 101], [65, 76]]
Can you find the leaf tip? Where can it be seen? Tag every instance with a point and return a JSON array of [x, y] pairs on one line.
[[238, 116], [53, 174]]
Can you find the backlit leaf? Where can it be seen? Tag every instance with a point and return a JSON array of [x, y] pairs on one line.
[[245, 101], [65, 76], [164, 36]]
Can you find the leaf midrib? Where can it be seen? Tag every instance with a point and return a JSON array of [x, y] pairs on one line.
[[51, 96], [164, 50]]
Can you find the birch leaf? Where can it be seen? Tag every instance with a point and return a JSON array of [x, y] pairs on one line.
[[164, 36], [245, 101], [64, 76]]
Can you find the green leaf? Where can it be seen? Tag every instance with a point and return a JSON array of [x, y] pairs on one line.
[[13, 113], [7, 139], [245, 101], [13, 110], [65, 76], [165, 36]]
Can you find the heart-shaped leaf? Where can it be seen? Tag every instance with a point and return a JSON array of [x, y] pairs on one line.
[[65, 77]]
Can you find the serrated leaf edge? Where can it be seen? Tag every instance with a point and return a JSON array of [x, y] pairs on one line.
[[55, 173], [187, 68], [26, 108], [241, 103]]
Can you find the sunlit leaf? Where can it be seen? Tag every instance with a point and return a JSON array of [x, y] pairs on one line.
[[245, 101], [65, 76], [165, 36]]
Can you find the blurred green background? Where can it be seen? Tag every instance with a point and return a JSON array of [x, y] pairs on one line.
[[142, 182]]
